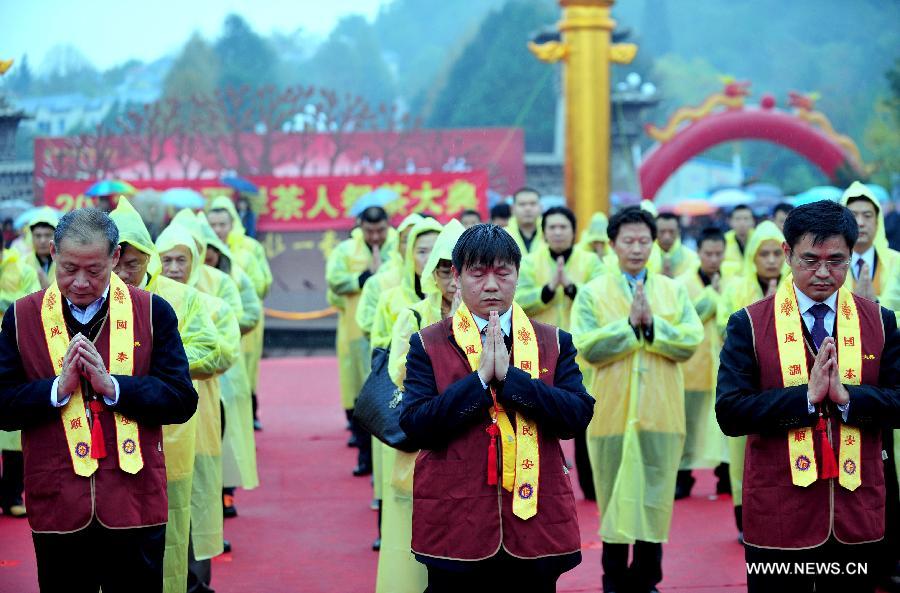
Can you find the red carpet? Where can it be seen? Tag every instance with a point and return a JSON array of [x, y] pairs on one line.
[[309, 529]]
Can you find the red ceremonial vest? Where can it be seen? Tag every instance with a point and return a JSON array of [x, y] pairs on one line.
[[58, 499], [778, 514], [456, 515]]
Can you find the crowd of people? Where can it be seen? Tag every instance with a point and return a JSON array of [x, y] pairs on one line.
[[98, 378], [503, 338]]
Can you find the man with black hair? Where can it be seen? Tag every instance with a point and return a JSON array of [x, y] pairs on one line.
[[669, 256], [779, 214], [742, 223], [90, 370], [500, 214], [635, 327], [524, 226], [548, 282], [350, 265], [873, 262], [470, 218], [811, 375], [488, 394], [704, 445]]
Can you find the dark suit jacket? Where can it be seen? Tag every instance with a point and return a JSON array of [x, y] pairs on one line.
[[742, 408], [165, 396], [433, 419]]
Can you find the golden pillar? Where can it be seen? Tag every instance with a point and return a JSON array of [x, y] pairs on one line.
[[586, 49]]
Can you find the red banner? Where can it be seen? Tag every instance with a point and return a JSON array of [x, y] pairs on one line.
[[318, 203]]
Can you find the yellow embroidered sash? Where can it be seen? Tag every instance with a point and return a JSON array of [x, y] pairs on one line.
[[521, 463], [794, 371], [121, 362]]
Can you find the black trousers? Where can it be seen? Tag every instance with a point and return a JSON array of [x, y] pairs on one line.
[[644, 573], [498, 574], [824, 563], [11, 479], [118, 560]]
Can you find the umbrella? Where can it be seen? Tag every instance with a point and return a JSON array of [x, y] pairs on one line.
[[27, 216], [182, 197], [621, 199], [881, 194], [729, 197], [379, 197], [765, 190], [110, 187], [13, 208], [817, 194], [240, 184], [690, 208]]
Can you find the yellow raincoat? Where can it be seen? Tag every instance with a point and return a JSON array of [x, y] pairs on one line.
[[388, 276], [636, 436], [206, 491], [16, 280], [250, 256], [596, 231], [733, 264], [887, 258], [349, 259], [239, 442], [739, 292], [201, 346], [535, 272], [680, 259], [45, 215], [704, 443], [398, 570], [403, 294], [537, 244]]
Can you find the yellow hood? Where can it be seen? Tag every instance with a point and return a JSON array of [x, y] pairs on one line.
[[175, 235], [858, 189], [764, 231], [443, 249], [225, 203], [408, 279], [133, 231]]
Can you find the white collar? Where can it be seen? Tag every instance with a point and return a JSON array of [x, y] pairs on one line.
[[94, 305], [505, 322], [805, 303]]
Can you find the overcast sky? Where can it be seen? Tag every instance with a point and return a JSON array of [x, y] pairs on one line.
[[110, 32]]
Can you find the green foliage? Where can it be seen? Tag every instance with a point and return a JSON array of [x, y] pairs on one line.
[[195, 71], [497, 82], [351, 60], [245, 57]]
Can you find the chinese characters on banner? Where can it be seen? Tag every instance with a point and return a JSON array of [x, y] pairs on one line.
[[290, 204]]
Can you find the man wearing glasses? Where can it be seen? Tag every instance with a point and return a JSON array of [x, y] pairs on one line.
[[811, 375]]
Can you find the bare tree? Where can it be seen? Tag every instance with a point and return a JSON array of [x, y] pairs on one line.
[[149, 128]]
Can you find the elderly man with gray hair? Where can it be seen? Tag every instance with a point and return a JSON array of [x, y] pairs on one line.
[[90, 370]]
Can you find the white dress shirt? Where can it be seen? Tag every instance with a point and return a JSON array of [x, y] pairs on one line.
[[804, 303], [505, 325], [867, 256], [83, 315]]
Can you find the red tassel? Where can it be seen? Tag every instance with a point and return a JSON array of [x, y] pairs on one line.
[[98, 444], [828, 466], [492, 430]]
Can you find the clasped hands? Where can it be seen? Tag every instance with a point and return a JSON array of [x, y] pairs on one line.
[[559, 276], [824, 379], [640, 315], [83, 360], [494, 355]]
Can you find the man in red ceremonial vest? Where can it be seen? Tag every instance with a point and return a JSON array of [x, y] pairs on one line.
[[488, 395], [812, 376], [89, 371]]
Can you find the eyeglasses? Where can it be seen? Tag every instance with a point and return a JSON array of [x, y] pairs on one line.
[[813, 265]]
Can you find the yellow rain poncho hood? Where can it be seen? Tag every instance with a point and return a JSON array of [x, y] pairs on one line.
[[176, 235], [395, 299], [226, 203], [210, 237], [885, 267], [45, 215], [596, 231], [133, 231], [443, 249]]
